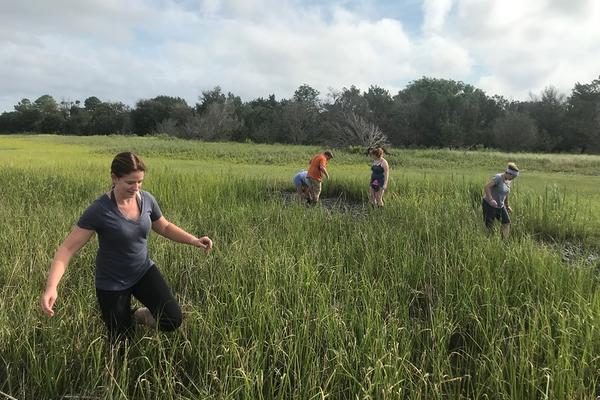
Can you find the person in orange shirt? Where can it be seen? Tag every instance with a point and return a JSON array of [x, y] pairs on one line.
[[318, 168]]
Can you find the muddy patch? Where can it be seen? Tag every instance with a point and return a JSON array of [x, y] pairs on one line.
[[574, 253], [340, 204]]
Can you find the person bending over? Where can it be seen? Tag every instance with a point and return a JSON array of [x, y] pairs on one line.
[[122, 218], [495, 201], [316, 171], [301, 183]]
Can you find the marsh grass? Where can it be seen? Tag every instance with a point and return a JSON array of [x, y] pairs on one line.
[[414, 300]]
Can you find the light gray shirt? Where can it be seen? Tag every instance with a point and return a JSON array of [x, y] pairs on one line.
[[301, 178], [500, 190], [122, 257]]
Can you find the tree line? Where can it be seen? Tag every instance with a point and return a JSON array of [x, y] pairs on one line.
[[428, 112]]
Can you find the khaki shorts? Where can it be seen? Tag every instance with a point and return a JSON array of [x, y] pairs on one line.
[[314, 186]]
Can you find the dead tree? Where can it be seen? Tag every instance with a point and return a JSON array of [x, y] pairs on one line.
[[353, 130]]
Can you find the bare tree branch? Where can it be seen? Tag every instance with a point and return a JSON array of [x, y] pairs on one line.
[[353, 130]]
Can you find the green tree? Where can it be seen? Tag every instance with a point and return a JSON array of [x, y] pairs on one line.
[[515, 131], [441, 112], [215, 95], [91, 103], [298, 120], [51, 119], [28, 116], [9, 122], [149, 113], [343, 106], [214, 104], [350, 100], [549, 112], [308, 96], [78, 121], [46, 104], [381, 105], [583, 117], [260, 120], [109, 118]]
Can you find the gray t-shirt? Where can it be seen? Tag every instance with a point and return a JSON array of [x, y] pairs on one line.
[[500, 190], [122, 257]]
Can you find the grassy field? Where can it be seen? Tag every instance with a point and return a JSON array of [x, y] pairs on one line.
[[340, 301]]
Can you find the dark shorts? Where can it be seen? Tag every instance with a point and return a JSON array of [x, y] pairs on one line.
[[490, 214]]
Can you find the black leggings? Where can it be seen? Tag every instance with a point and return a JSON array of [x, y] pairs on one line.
[[152, 291]]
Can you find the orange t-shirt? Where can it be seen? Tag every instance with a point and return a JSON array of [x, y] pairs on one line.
[[314, 171]]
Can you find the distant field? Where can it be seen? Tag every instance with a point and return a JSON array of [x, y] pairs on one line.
[[413, 301]]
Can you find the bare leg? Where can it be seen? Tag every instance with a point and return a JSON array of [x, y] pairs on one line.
[[144, 316], [379, 197], [311, 191], [372, 198], [316, 192], [300, 193], [305, 193], [505, 231], [316, 197]]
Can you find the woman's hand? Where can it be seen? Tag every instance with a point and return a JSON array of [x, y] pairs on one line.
[[508, 208], [493, 203], [204, 242], [47, 301]]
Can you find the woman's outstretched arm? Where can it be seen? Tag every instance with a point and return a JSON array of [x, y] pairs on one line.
[[171, 231], [72, 244]]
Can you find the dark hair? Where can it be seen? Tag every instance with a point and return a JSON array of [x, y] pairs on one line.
[[126, 163], [328, 154]]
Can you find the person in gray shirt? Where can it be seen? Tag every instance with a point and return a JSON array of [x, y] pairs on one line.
[[123, 218], [495, 200]]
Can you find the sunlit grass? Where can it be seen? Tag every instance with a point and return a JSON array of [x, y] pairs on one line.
[[411, 301]]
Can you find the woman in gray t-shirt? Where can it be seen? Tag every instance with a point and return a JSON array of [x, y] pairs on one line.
[[122, 219], [495, 200]]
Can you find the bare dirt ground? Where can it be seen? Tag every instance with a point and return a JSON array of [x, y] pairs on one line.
[[333, 204]]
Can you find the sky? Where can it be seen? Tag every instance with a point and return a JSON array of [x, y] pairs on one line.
[[138, 49]]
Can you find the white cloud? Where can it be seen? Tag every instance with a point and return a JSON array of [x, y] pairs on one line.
[[251, 57], [278, 58], [124, 51], [524, 47], [435, 13], [439, 57]]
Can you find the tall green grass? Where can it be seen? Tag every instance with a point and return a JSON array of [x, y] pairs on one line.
[[413, 301]]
